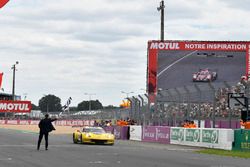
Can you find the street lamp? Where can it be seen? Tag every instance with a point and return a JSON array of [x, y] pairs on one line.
[[127, 93], [14, 73]]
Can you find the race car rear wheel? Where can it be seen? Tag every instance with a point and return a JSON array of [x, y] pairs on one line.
[[74, 138]]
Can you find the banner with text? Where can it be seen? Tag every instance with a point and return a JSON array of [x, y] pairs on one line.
[[15, 106]]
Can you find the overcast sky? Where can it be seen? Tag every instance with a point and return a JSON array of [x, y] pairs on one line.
[[68, 48]]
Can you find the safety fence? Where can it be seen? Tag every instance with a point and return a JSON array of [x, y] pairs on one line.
[[201, 101]]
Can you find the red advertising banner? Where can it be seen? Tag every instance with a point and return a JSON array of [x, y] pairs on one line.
[[3, 2], [15, 106], [197, 45]]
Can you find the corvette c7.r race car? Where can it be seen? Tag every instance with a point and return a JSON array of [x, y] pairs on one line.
[[93, 135], [204, 75]]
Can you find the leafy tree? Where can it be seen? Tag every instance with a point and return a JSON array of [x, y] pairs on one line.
[[34, 107], [110, 107], [50, 103], [84, 105], [73, 108]]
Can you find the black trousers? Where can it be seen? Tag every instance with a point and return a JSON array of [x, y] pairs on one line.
[[40, 139]]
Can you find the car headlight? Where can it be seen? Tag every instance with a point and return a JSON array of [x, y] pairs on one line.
[[109, 136]]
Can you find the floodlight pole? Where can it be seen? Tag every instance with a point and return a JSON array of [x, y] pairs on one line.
[[14, 76], [161, 8]]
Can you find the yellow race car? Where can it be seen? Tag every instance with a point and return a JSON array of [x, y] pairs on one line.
[[93, 135]]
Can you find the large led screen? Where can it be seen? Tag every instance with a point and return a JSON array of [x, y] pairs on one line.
[[173, 64]]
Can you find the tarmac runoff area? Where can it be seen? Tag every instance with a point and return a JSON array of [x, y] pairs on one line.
[[35, 128]]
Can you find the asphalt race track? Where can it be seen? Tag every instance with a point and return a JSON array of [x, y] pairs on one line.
[[18, 149], [175, 68]]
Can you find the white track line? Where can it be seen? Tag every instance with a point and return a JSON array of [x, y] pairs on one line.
[[177, 61]]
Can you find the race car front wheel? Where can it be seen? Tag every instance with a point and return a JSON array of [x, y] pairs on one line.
[[74, 138]]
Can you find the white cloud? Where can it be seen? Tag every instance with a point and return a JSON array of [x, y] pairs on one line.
[[67, 48]]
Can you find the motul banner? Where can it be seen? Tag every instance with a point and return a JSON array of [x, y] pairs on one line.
[[15, 106], [3, 2], [193, 45]]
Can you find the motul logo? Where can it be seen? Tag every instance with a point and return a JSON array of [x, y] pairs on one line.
[[165, 45], [15, 106]]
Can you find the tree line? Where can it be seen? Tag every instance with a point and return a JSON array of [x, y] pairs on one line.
[[52, 103]]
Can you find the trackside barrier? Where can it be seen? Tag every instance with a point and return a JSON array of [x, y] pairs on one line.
[[120, 132], [157, 134], [135, 132], [209, 137], [58, 122], [241, 140]]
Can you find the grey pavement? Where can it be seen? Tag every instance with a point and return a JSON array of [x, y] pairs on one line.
[[18, 149]]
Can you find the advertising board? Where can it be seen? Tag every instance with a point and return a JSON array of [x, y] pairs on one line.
[[15, 106], [185, 63]]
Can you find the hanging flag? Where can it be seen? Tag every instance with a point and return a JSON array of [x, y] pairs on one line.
[[3, 2], [1, 78]]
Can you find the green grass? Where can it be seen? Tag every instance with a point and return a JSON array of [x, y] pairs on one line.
[[234, 153]]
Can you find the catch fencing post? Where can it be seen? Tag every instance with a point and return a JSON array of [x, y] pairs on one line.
[[230, 111], [214, 102], [188, 101], [142, 112], [199, 105]]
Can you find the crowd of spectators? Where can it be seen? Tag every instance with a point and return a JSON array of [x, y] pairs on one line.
[[204, 110]]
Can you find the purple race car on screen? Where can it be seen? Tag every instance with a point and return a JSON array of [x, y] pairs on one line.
[[204, 75]]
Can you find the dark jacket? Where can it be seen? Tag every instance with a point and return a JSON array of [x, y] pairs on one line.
[[46, 126]]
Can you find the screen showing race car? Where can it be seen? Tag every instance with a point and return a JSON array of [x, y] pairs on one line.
[[179, 68], [173, 64]]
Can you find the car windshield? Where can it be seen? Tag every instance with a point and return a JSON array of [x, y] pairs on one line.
[[93, 130], [204, 72]]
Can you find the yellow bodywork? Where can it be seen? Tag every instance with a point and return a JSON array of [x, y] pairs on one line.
[[88, 135]]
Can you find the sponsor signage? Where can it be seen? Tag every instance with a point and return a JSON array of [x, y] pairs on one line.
[[15, 106], [193, 135], [177, 134], [189, 45], [159, 134], [210, 136], [135, 132]]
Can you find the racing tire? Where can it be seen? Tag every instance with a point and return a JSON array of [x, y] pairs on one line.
[[81, 141], [74, 139]]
